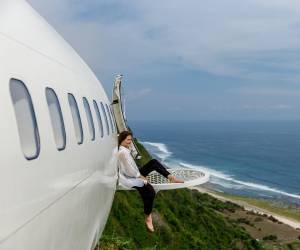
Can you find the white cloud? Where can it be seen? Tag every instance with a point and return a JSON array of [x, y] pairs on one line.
[[223, 37], [267, 107], [232, 37], [265, 91], [134, 95], [250, 39]]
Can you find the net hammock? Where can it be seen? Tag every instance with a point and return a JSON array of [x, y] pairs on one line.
[[191, 177]]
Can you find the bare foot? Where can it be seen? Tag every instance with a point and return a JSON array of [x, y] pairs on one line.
[[173, 179], [148, 222]]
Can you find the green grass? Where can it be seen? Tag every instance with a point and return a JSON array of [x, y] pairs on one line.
[[143, 153], [183, 219]]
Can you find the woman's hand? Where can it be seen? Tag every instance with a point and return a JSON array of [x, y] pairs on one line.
[[144, 179]]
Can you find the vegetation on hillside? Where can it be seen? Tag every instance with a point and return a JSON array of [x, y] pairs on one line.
[[274, 207], [183, 219], [145, 156]]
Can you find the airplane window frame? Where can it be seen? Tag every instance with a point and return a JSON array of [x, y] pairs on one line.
[[57, 120], [105, 116], [78, 130], [99, 119], [89, 117], [25, 119], [110, 118], [113, 118]]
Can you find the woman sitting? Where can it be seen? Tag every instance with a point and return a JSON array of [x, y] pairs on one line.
[[132, 177]]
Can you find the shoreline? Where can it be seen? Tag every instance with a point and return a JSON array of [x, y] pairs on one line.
[[250, 207]]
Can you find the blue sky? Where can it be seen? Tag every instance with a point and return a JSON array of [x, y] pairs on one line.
[[190, 60]]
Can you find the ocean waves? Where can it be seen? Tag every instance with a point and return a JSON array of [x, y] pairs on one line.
[[160, 150], [221, 179]]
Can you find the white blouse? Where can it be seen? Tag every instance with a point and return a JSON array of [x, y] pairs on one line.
[[128, 171]]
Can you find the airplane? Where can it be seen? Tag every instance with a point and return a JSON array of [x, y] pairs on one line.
[[58, 161]]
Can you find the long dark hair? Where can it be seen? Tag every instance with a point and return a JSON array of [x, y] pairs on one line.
[[122, 136]]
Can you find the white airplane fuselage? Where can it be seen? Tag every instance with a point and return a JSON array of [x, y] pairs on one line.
[[58, 198]]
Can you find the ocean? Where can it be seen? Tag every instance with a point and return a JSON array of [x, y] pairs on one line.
[[255, 158]]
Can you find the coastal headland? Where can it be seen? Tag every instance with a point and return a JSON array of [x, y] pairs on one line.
[[199, 218]]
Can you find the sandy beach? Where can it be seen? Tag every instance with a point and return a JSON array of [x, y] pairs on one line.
[[288, 221]]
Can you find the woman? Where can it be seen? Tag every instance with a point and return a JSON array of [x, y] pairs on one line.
[[132, 177]]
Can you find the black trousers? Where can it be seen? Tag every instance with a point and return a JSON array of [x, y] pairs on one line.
[[147, 191]]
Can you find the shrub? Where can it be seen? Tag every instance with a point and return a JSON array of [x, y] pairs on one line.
[[270, 237]]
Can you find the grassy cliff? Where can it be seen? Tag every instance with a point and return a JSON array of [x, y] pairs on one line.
[[183, 219], [143, 152]]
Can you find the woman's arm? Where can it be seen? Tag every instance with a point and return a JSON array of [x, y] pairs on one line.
[[126, 165]]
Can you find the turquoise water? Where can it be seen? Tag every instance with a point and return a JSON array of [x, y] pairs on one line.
[[259, 159]]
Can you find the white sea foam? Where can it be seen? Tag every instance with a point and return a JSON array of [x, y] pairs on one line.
[[161, 150], [207, 170], [266, 188], [237, 184], [217, 177]]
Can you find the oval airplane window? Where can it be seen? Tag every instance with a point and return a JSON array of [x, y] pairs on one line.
[[76, 118], [26, 120], [89, 118], [110, 119], [98, 118], [113, 119], [105, 116], [56, 117]]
